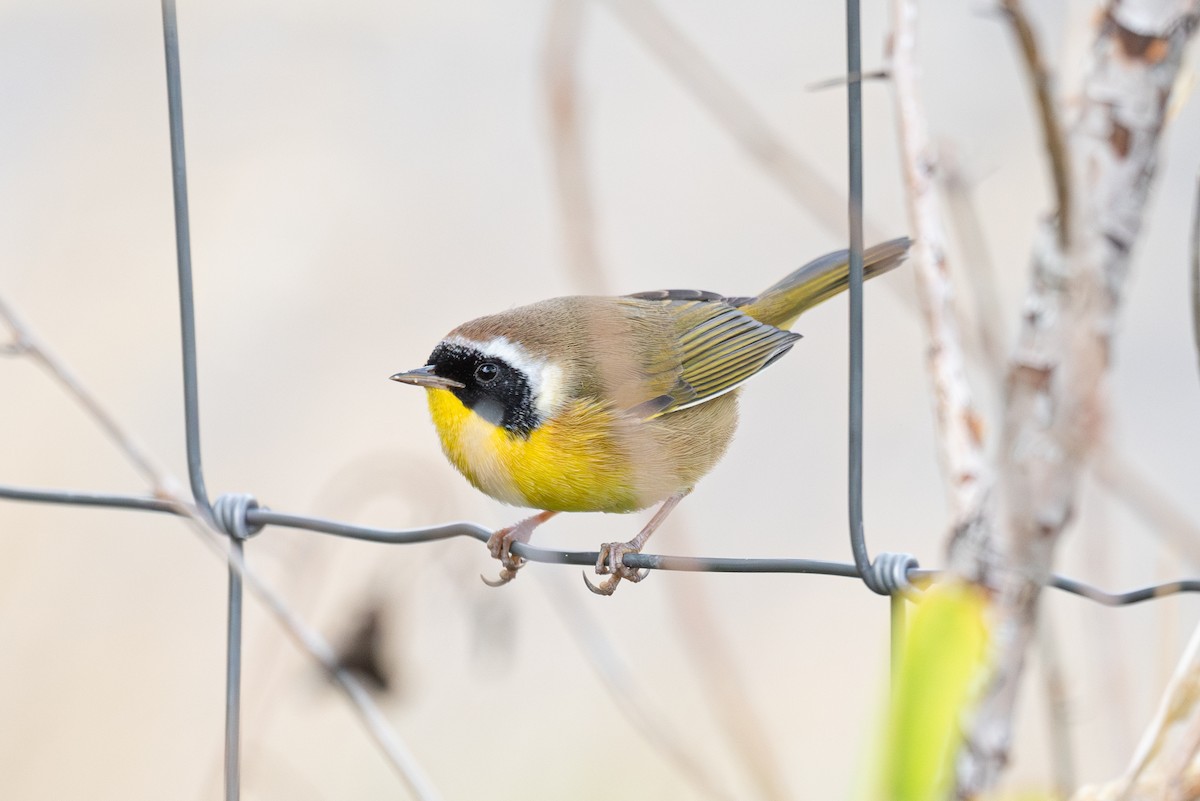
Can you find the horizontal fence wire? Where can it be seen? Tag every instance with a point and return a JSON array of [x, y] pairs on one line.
[[240, 517], [256, 517]]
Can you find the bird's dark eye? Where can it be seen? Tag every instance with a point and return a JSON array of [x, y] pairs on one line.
[[486, 372]]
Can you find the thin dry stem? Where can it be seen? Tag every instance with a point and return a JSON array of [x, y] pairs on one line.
[[559, 68], [1144, 497], [816, 195], [1178, 700], [1052, 129], [843, 80], [717, 670], [1196, 270], [981, 269], [165, 486], [960, 426], [1058, 710], [749, 129], [309, 641], [28, 344], [629, 697]]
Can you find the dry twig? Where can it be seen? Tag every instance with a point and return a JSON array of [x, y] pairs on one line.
[[1144, 497], [559, 66], [165, 486], [735, 114], [990, 330], [717, 670], [629, 696], [26, 343], [1052, 132], [959, 425], [1196, 270], [1155, 769]]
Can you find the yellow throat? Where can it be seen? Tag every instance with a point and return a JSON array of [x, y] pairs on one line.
[[571, 463]]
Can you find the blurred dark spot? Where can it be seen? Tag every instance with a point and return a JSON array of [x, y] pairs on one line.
[[363, 652]]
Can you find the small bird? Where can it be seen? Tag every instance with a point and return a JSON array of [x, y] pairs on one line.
[[611, 404]]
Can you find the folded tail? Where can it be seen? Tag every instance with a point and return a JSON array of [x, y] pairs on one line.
[[820, 280]]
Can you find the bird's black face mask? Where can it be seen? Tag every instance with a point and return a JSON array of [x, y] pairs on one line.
[[492, 388]]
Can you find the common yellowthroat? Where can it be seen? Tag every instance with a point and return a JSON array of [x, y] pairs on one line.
[[611, 404]]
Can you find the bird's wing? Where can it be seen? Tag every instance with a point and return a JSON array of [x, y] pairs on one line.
[[716, 348]]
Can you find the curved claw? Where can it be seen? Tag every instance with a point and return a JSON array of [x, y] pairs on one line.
[[605, 587], [507, 574]]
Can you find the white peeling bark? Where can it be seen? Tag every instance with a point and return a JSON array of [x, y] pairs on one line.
[[1055, 386], [960, 427]]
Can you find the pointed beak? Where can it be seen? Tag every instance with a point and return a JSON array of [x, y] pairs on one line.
[[424, 377]]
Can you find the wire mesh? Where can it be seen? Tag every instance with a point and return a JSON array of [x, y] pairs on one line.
[[239, 516]]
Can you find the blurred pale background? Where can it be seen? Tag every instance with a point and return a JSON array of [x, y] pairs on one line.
[[366, 175]]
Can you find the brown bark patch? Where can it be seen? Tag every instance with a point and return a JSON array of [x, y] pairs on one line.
[[1119, 139], [1139, 46], [976, 427], [1034, 376]]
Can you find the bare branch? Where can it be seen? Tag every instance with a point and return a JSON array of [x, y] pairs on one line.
[[1157, 771], [1055, 381], [1113, 469], [816, 195], [559, 66], [1052, 130], [749, 129], [981, 269], [309, 641], [1142, 495], [27, 343], [1196, 269], [166, 487], [1177, 703], [730, 702], [843, 80], [627, 693], [1058, 710], [960, 426]]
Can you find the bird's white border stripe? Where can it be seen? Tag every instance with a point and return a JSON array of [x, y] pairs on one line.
[[545, 379]]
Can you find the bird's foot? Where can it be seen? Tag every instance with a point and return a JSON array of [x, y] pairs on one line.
[[611, 562], [500, 544]]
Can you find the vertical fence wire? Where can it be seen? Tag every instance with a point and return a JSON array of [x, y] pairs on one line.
[[233, 678], [888, 573], [858, 545], [191, 398]]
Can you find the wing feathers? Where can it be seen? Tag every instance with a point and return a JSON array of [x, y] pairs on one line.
[[716, 348]]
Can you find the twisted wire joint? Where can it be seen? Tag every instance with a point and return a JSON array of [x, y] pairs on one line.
[[888, 573], [229, 512]]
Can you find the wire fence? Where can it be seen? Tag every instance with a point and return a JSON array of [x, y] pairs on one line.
[[239, 516]]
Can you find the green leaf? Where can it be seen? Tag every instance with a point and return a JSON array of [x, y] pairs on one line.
[[944, 660]]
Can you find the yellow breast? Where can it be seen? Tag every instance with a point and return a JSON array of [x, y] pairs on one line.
[[577, 462]]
